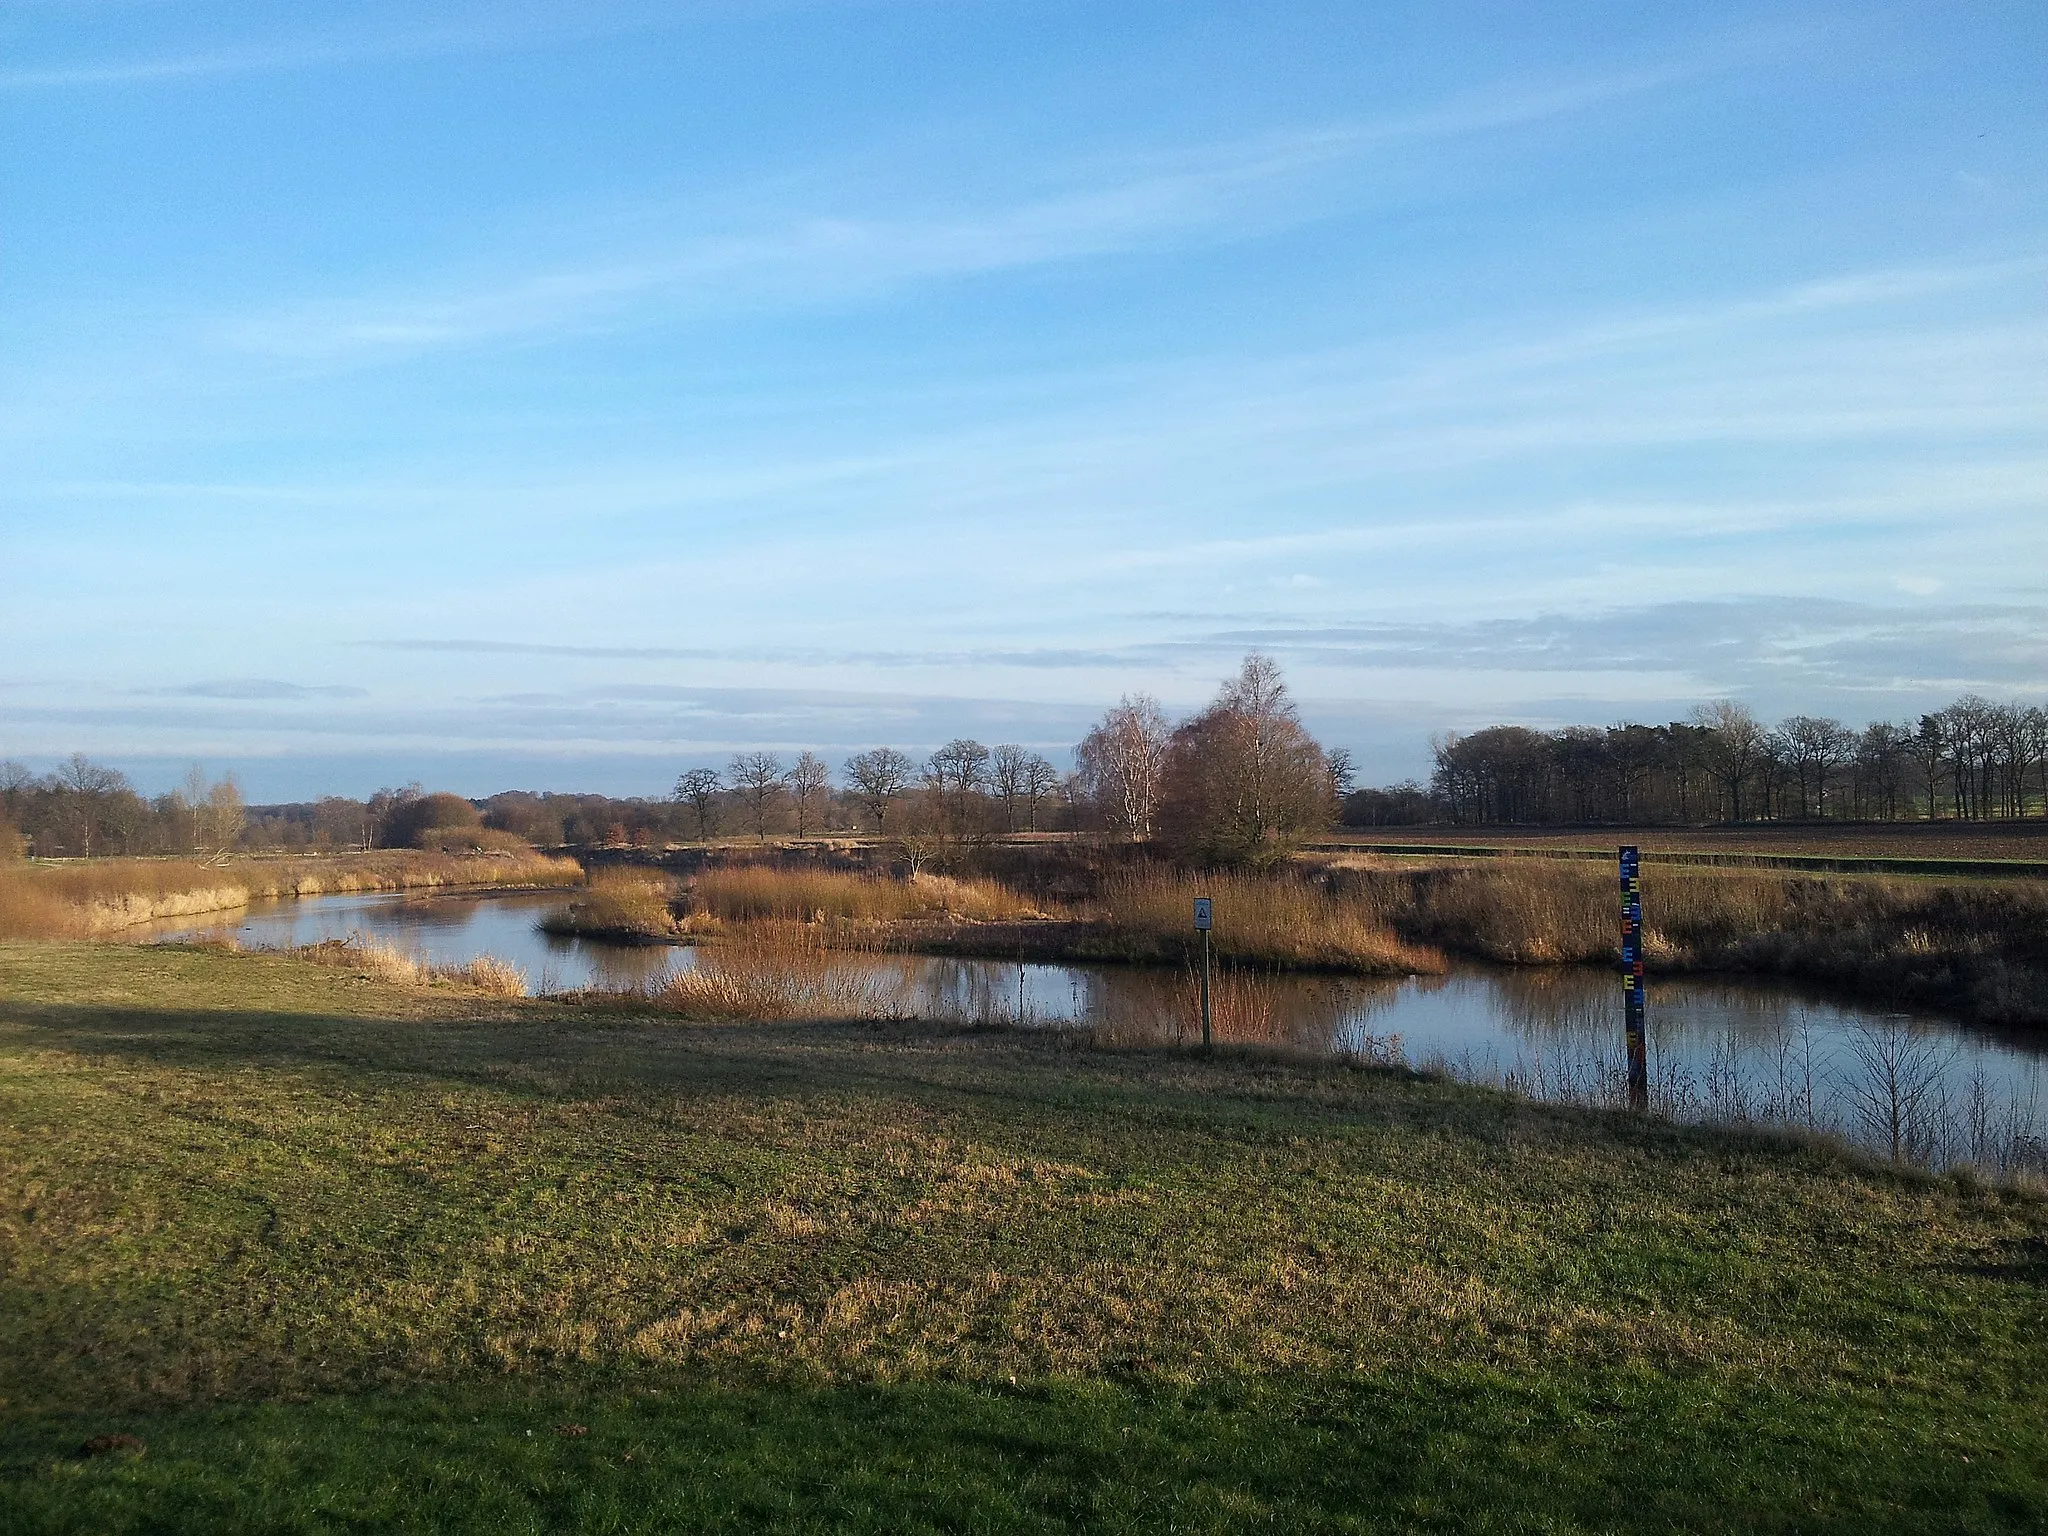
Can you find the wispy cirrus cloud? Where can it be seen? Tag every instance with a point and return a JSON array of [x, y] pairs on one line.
[[802, 256]]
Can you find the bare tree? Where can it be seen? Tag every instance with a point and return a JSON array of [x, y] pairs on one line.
[[1243, 779], [222, 818], [757, 779], [699, 789], [1813, 747], [1122, 763], [1041, 783], [1737, 747], [878, 780], [807, 781], [957, 776], [88, 790], [1007, 774], [1021, 778], [1343, 771], [1880, 765]]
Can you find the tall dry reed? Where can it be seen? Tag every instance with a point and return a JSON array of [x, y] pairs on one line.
[[755, 893], [1273, 919], [621, 902], [1980, 947], [484, 973], [772, 970]]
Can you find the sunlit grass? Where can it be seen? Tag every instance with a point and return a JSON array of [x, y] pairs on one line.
[[343, 1252]]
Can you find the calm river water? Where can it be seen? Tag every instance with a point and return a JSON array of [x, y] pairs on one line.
[[1906, 1084]]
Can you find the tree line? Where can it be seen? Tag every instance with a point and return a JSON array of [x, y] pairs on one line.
[[1237, 779], [1974, 760]]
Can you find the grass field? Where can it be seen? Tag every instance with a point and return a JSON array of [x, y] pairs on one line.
[[343, 1254]]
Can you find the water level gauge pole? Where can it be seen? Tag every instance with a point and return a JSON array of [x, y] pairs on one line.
[[1204, 916], [1635, 1008]]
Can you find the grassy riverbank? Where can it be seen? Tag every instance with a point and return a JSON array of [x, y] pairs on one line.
[[106, 896], [339, 1252]]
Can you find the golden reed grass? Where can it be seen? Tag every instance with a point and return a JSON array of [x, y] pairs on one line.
[[776, 970], [754, 893], [620, 902], [1274, 919], [104, 896], [1977, 946], [485, 973]]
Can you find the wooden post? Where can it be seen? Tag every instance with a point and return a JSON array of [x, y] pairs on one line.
[[1635, 1007], [1204, 916]]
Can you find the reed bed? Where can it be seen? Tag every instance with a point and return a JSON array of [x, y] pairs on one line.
[[103, 896], [779, 970], [485, 973], [1979, 947], [1276, 920], [754, 893], [621, 902]]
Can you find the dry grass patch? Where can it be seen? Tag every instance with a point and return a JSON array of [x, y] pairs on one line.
[[1276, 920], [755, 893], [622, 902], [384, 962]]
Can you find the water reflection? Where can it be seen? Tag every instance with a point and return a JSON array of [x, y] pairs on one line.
[[1906, 1085]]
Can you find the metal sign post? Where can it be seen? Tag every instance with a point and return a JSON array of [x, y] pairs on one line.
[[1204, 919], [1635, 1009]]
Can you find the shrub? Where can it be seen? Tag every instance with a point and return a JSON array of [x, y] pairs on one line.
[[410, 822]]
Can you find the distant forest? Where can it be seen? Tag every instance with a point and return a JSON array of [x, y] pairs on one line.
[[1239, 778], [1973, 761]]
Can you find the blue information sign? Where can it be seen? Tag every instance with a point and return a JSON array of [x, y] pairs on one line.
[[1202, 922]]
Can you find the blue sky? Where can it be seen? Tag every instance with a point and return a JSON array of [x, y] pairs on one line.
[[472, 394]]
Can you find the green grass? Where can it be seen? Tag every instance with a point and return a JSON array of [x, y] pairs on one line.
[[346, 1254]]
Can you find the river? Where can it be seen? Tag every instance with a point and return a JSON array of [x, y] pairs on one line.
[[1907, 1084]]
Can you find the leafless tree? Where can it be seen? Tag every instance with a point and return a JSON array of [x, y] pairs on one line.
[[1813, 747], [221, 818], [808, 782], [1041, 783], [1737, 748], [89, 789], [1243, 779], [1022, 778], [957, 779], [757, 779], [878, 780], [1122, 763], [699, 789]]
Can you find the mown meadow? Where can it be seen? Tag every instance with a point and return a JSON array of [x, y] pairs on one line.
[[333, 1250]]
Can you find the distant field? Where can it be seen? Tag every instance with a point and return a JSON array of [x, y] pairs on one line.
[[1894, 840], [345, 1255]]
